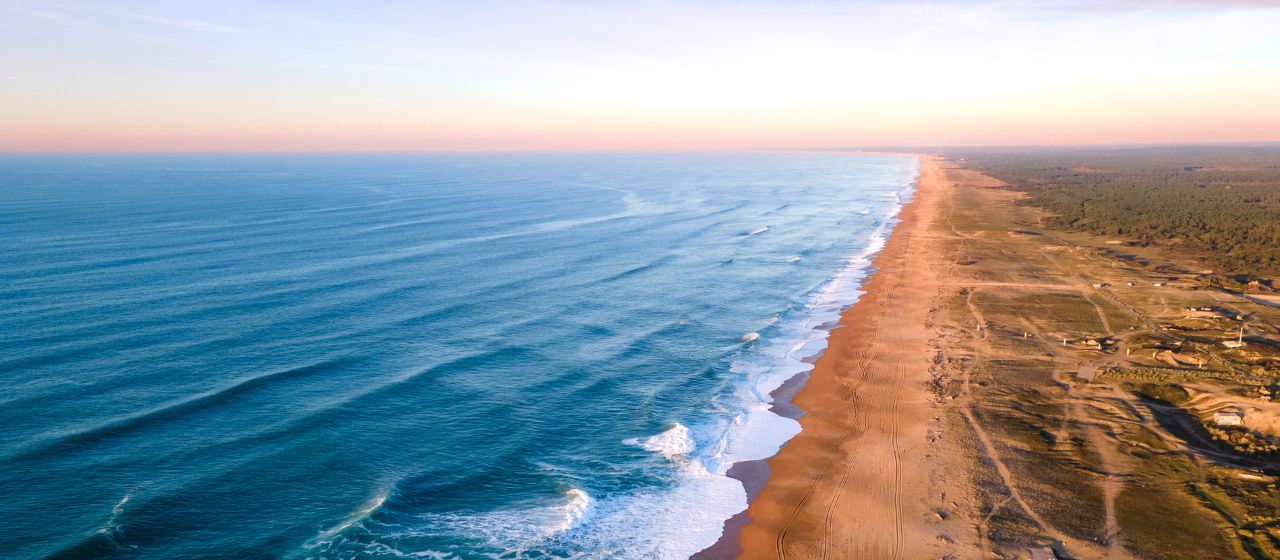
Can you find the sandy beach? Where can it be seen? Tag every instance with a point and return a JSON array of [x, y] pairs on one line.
[[855, 483]]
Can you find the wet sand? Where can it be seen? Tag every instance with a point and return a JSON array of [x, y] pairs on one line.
[[854, 483]]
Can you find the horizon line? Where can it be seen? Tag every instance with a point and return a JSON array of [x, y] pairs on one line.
[[905, 148]]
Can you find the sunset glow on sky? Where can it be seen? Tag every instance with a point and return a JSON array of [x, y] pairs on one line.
[[259, 76]]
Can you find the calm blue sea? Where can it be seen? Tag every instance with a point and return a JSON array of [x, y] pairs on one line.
[[425, 356]]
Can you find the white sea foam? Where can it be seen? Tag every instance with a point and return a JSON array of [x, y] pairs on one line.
[[515, 530], [112, 525], [113, 529], [358, 516], [574, 511], [672, 444]]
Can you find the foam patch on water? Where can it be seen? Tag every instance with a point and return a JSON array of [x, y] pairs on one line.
[[672, 444], [358, 516], [575, 511], [671, 523], [113, 529], [516, 531]]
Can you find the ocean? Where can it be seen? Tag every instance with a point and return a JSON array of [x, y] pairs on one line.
[[407, 355]]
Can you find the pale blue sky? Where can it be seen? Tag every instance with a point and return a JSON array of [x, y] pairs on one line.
[[488, 74]]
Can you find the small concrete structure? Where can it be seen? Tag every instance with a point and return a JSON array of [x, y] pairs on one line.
[[1228, 417], [1238, 342], [1043, 553]]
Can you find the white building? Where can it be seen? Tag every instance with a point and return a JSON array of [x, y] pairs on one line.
[[1228, 417]]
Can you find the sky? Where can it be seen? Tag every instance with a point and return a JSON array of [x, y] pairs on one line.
[[633, 75]]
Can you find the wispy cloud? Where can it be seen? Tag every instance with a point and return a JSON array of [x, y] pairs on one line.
[[52, 16], [1220, 4], [188, 24], [1131, 5], [1053, 10]]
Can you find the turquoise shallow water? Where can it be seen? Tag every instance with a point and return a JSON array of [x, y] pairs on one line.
[[362, 356]]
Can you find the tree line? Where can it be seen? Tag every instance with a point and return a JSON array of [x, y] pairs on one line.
[[1223, 203]]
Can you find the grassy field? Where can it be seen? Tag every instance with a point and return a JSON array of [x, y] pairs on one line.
[[1098, 445]]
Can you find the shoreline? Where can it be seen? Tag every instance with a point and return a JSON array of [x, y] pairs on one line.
[[753, 474], [783, 488]]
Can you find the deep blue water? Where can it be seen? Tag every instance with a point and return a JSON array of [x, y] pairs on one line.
[[342, 356]]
